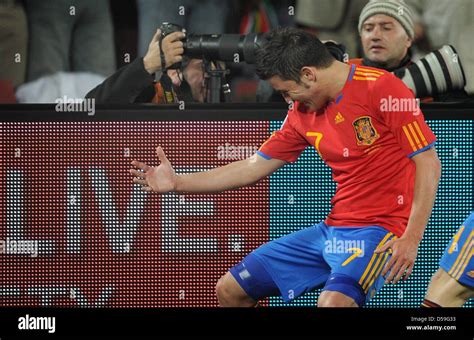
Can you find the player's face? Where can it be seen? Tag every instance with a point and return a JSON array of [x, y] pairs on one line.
[[305, 92], [385, 41]]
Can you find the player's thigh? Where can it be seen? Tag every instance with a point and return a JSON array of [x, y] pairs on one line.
[[329, 298], [228, 288], [288, 266], [248, 278], [355, 267], [445, 291]]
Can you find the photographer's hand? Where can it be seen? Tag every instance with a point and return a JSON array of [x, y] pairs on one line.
[[172, 48]]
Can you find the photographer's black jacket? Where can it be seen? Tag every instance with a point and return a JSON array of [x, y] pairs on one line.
[[131, 84]]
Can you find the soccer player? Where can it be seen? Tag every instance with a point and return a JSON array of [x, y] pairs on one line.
[[382, 159], [453, 284]]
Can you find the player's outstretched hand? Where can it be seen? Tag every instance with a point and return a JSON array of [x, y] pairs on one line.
[[161, 179], [404, 252]]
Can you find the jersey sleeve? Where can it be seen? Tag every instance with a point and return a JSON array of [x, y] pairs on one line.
[[285, 144], [401, 113]]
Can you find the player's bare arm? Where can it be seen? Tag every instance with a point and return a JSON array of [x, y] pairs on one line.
[[405, 249], [163, 178]]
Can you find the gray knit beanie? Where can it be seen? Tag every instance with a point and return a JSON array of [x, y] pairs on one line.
[[397, 9]]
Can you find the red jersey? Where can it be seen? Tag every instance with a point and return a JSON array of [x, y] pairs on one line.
[[367, 137]]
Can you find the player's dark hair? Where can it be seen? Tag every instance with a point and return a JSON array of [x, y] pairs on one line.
[[284, 51]]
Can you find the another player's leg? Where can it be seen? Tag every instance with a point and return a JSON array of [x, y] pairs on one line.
[[453, 284], [444, 291]]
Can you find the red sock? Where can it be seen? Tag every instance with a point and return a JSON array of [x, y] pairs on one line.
[[429, 304]]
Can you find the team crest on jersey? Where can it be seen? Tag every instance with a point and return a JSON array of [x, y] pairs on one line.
[[471, 274], [365, 131]]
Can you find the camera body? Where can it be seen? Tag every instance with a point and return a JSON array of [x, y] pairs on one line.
[[167, 28]]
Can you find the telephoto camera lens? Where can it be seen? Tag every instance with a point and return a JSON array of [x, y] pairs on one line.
[[438, 72]]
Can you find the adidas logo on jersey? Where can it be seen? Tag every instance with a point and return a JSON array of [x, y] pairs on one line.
[[339, 118]]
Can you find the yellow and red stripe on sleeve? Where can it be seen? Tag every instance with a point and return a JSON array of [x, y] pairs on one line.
[[415, 136], [366, 74]]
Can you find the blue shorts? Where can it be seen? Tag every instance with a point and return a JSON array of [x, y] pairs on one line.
[[339, 259], [458, 259]]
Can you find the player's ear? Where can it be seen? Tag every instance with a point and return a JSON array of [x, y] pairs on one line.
[[308, 74]]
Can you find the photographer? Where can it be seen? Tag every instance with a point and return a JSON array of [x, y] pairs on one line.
[[135, 83], [387, 32]]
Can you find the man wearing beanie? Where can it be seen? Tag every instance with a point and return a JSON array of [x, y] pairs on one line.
[[387, 31]]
